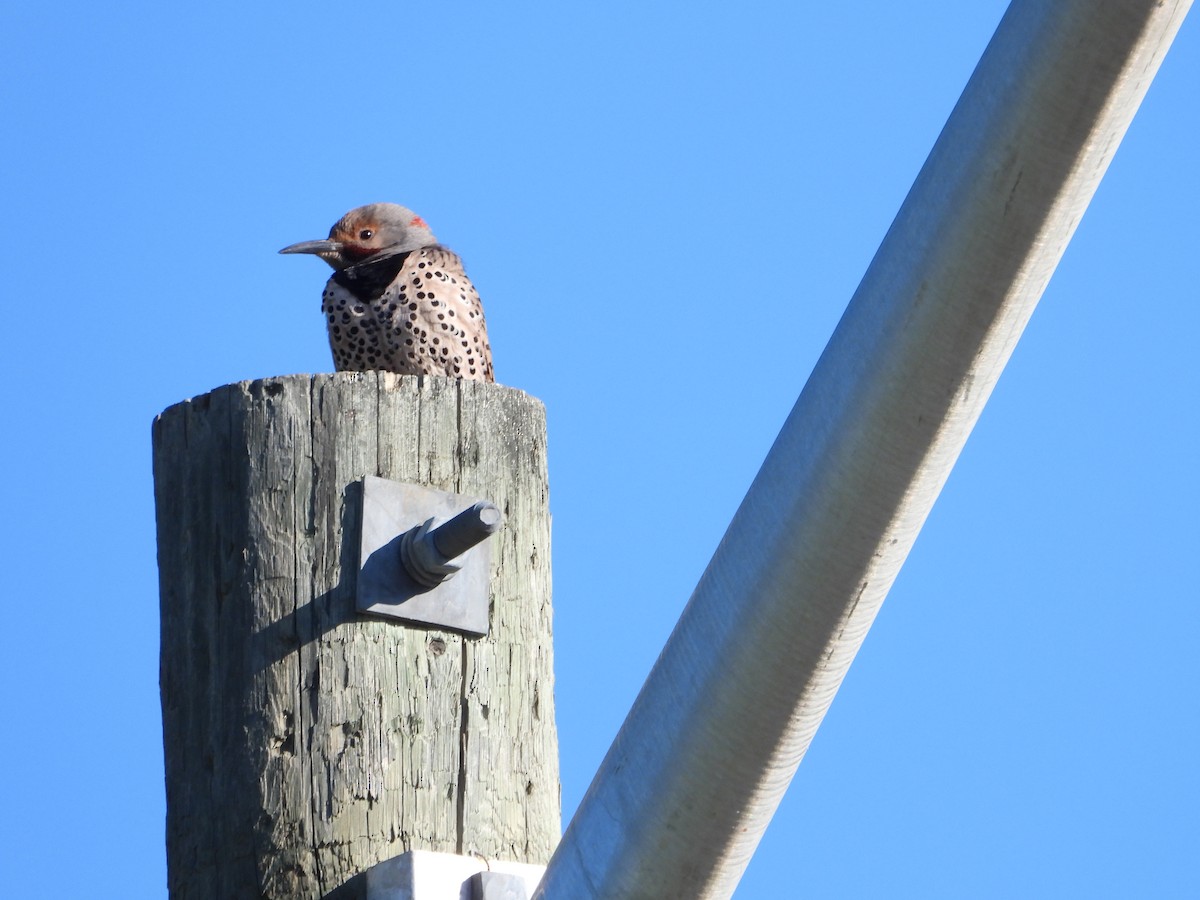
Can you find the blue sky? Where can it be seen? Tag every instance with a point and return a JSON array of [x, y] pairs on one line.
[[1023, 719]]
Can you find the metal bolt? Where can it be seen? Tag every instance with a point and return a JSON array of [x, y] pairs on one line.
[[429, 553]]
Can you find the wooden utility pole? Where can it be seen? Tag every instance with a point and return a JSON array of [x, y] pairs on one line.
[[304, 741]]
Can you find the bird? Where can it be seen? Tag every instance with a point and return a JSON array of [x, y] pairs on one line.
[[398, 300]]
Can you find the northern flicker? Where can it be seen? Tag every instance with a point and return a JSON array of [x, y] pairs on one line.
[[398, 300]]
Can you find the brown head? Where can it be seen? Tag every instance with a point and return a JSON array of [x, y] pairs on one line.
[[367, 234]]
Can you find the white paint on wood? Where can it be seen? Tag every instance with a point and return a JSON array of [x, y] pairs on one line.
[[421, 875]]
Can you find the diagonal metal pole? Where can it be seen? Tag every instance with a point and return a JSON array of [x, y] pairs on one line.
[[729, 709]]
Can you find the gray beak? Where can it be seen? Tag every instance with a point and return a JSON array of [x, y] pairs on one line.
[[320, 248]]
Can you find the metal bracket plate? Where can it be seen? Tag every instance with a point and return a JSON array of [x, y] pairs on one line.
[[384, 588]]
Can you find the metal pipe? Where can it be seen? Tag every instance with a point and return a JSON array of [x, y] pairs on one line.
[[715, 736]]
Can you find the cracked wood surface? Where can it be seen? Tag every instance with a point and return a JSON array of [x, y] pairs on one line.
[[305, 743]]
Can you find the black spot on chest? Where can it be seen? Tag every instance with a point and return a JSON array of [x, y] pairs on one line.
[[368, 280]]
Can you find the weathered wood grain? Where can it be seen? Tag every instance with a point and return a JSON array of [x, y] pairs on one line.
[[305, 743]]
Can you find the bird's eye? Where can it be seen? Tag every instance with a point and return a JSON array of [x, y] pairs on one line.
[[366, 234]]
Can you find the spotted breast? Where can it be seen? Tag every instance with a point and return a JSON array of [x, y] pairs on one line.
[[419, 316]]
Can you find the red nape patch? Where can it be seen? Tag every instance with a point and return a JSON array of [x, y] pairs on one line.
[[417, 222]]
